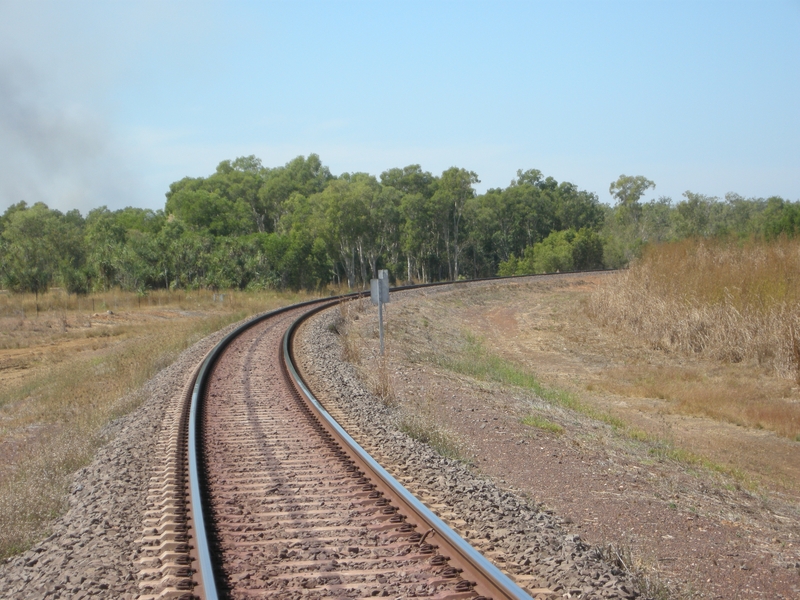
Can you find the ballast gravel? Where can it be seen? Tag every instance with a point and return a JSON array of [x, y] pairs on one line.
[[536, 550], [93, 550]]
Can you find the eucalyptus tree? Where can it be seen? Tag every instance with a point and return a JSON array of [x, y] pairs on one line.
[[745, 217], [628, 190], [695, 215], [240, 181], [207, 210], [191, 256], [145, 220], [105, 238], [364, 202], [576, 209], [71, 249], [454, 190], [342, 216], [136, 262], [410, 180], [30, 249], [528, 210], [306, 176], [419, 234], [490, 232], [777, 217], [523, 199], [415, 226], [5, 218], [658, 220], [384, 228]]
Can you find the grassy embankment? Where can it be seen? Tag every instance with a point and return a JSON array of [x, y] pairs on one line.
[[70, 367], [475, 361], [724, 301]]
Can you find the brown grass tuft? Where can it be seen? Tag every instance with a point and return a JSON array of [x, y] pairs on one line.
[[382, 382], [418, 421], [351, 342]]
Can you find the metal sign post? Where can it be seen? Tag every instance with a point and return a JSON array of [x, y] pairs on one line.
[[379, 294]]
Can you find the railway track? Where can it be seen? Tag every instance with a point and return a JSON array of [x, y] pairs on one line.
[[262, 494]]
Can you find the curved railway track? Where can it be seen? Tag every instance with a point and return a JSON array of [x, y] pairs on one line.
[[262, 494]]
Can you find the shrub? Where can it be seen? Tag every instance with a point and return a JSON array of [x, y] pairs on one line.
[[561, 251]]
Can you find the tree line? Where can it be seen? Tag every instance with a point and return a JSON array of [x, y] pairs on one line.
[[247, 226]]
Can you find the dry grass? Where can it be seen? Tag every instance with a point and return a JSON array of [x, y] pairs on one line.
[[417, 420], [351, 342], [85, 372], [424, 430], [719, 300], [727, 394], [382, 382], [378, 377], [471, 357], [646, 577], [62, 316]]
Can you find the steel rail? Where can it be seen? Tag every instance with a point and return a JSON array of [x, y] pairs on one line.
[[208, 572], [200, 510]]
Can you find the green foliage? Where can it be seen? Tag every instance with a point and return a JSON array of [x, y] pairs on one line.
[[140, 219], [410, 180], [561, 251], [632, 225], [628, 191], [204, 210], [508, 268], [453, 192], [553, 254], [247, 226], [781, 218], [695, 215], [587, 250], [300, 176], [31, 237], [542, 423], [506, 222]]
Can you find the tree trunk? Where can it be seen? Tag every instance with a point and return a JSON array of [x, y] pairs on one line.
[[373, 263], [363, 263], [259, 220], [455, 261], [348, 262]]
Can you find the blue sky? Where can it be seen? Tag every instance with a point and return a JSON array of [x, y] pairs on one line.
[[107, 103]]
